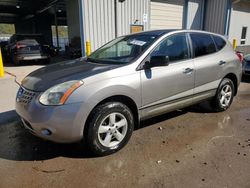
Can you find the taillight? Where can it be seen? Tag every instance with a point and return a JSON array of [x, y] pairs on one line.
[[18, 45], [240, 56]]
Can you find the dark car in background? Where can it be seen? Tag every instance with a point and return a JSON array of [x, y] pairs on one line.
[[28, 47], [246, 65], [4, 49]]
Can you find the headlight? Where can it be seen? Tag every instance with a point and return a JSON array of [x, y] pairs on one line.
[[58, 94]]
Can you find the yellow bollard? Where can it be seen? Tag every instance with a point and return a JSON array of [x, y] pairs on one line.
[[88, 48], [1, 64], [234, 44]]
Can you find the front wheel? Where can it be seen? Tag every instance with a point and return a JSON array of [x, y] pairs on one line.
[[224, 95], [110, 128]]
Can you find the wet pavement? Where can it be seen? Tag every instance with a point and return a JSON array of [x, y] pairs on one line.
[[193, 147]]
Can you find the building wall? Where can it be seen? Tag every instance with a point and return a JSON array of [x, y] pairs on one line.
[[240, 17], [73, 18], [167, 14], [99, 22], [215, 16], [132, 12], [195, 14], [103, 20]]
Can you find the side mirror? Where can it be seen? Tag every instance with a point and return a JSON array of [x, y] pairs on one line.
[[157, 61]]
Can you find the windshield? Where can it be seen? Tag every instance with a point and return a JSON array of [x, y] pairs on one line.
[[122, 50]]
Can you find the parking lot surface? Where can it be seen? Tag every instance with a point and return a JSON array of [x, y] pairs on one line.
[[193, 147]]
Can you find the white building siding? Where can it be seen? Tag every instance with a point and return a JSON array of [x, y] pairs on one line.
[[215, 18], [131, 12], [167, 14], [99, 22], [240, 17]]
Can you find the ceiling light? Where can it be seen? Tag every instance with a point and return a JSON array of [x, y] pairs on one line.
[[18, 6], [59, 10]]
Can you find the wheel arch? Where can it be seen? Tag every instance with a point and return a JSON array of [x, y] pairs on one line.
[[130, 103], [234, 79]]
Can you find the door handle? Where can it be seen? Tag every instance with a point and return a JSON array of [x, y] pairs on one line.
[[222, 62], [188, 71]]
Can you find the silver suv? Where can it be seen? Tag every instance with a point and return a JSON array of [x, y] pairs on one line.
[[102, 98]]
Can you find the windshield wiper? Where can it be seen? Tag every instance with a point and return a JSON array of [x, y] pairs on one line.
[[92, 60]]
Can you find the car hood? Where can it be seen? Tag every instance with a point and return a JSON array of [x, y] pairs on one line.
[[46, 77]]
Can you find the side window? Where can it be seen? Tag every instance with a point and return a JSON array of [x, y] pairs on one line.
[[175, 47], [220, 42], [203, 44]]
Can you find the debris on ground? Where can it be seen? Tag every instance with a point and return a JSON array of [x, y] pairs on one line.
[[48, 171], [160, 128], [177, 161], [205, 163], [203, 179], [158, 162]]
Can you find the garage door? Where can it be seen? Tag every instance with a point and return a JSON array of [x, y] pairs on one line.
[[166, 14]]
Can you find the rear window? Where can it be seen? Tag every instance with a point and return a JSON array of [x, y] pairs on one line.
[[203, 44], [28, 42], [220, 42]]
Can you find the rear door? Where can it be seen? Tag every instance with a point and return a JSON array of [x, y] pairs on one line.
[[208, 65]]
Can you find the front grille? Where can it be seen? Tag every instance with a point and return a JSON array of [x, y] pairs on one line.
[[25, 96]]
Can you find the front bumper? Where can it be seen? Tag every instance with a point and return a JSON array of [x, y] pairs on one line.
[[63, 123]]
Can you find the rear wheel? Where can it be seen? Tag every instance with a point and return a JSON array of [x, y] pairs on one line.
[[110, 128], [224, 95]]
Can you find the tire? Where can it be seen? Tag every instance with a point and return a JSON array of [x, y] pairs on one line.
[[105, 135], [224, 95]]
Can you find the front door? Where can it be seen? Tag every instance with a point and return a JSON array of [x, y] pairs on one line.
[[168, 87]]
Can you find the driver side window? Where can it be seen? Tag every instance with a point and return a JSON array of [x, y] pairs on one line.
[[175, 47]]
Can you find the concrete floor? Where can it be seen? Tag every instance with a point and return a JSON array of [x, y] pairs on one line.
[[194, 148]]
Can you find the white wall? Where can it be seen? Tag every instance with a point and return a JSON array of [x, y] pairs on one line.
[[215, 16], [166, 14], [240, 17]]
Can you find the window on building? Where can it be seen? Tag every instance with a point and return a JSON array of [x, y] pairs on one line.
[[175, 47], [203, 44], [63, 37], [243, 35]]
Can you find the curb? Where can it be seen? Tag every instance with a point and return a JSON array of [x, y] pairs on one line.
[[8, 117]]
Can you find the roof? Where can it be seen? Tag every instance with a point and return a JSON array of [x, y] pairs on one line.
[[156, 32]]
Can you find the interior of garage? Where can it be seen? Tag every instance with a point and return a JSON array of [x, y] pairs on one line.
[[56, 20]]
